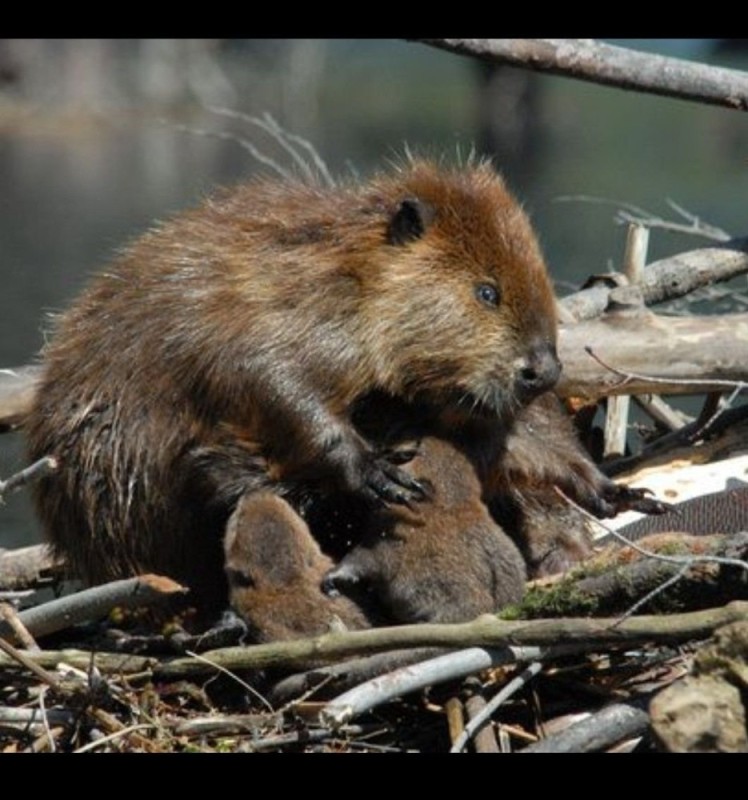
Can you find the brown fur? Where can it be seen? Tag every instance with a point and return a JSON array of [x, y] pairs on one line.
[[520, 465], [275, 570], [542, 454], [226, 349], [444, 560]]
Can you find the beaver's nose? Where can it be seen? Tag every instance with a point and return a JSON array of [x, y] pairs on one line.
[[538, 371]]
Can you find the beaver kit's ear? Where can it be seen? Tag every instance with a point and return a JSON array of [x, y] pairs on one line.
[[410, 221]]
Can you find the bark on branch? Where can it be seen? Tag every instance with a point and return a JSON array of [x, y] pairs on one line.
[[486, 631], [668, 278], [606, 64], [95, 603]]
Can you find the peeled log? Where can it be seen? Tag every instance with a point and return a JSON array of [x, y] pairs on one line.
[[671, 349], [17, 390]]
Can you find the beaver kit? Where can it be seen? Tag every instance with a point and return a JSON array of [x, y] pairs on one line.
[[225, 353], [444, 560]]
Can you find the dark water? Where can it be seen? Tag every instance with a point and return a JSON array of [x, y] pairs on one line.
[[76, 186]]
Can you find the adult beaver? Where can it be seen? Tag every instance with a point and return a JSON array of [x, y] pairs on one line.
[[224, 352]]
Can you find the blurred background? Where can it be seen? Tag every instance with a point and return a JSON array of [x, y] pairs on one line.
[[99, 138]]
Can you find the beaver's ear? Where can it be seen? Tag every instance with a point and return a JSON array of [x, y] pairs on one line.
[[410, 221]]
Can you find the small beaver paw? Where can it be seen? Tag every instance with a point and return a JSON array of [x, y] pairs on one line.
[[627, 498], [386, 482], [607, 499], [338, 579]]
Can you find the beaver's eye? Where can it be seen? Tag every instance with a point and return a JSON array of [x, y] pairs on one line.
[[240, 579], [487, 294]]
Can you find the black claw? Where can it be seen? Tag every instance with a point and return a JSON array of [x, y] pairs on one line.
[[650, 505], [389, 484], [338, 580], [401, 456], [328, 585], [639, 499]]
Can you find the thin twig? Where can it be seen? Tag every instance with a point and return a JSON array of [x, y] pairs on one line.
[[695, 227], [244, 143], [527, 674], [627, 214], [671, 581], [628, 376], [234, 677], [112, 737], [39, 469], [677, 560]]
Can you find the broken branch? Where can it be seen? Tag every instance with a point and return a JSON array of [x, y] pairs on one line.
[[609, 65]]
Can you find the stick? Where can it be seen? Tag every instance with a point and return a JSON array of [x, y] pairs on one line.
[[343, 676], [95, 603], [35, 716], [606, 64], [17, 390], [654, 354], [39, 469], [27, 567], [661, 412], [511, 688], [598, 732], [486, 631], [10, 616], [455, 721], [617, 418], [479, 726], [669, 278]]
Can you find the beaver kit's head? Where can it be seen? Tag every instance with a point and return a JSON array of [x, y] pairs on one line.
[[460, 305], [275, 569]]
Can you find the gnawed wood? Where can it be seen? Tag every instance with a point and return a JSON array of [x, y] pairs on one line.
[[17, 390], [677, 352], [95, 603], [599, 731], [28, 567]]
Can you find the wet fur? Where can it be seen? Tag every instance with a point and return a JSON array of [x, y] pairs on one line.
[[275, 569], [223, 352], [231, 351], [443, 560]]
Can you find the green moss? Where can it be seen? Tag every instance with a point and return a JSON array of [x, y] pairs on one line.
[[563, 599]]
